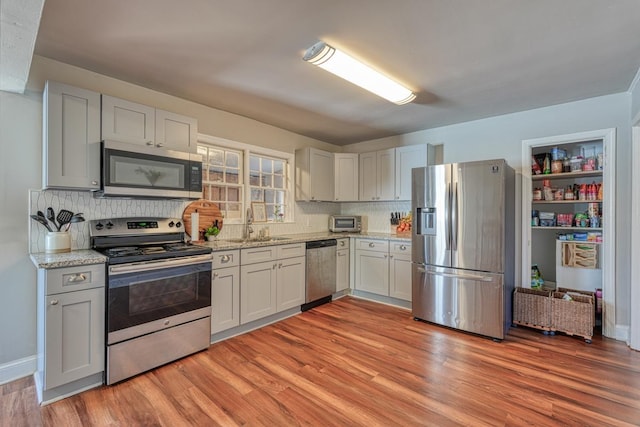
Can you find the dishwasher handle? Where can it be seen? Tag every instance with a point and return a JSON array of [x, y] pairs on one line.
[[322, 243]]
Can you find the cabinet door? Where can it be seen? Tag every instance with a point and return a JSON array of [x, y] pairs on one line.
[[175, 131], [372, 272], [407, 158], [225, 299], [257, 291], [386, 174], [74, 336], [367, 181], [346, 177], [291, 277], [400, 276], [71, 144], [321, 175], [127, 121], [342, 269]]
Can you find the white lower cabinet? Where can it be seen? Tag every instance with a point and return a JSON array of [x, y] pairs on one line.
[[400, 270], [342, 265], [225, 291], [383, 268], [271, 280], [70, 331]]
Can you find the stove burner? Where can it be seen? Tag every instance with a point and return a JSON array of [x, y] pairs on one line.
[[123, 251]]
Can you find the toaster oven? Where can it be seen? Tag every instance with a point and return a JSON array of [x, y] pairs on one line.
[[345, 223]]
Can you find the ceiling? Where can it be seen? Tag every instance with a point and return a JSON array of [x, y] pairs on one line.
[[466, 59]]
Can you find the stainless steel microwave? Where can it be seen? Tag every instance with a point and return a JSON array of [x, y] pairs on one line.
[[345, 223], [130, 170]]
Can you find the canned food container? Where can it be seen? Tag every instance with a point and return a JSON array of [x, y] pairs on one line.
[[537, 194], [556, 166]]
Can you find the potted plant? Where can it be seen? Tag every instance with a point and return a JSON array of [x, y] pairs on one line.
[[211, 232]]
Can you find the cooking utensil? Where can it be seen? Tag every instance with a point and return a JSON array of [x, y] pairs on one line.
[[75, 218], [51, 216], [64, 216], [42, 220]]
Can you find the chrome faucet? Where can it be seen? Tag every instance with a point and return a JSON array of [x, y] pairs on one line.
[[248, 229]]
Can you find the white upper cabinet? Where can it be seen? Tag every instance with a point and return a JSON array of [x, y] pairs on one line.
[[407, 158], [135, 123], [176, 131], [377, 175], [128, 121], [346, 177], [71, 137], [314, 175]]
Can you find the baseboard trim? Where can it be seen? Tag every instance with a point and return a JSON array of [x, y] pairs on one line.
[[17, 369], [622, 333]]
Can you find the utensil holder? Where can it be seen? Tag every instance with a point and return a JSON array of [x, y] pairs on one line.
[[57, 242]]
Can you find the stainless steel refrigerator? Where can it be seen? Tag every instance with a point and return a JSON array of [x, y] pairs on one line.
[[463, 245]]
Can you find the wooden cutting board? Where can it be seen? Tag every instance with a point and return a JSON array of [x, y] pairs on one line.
[[208, 213]]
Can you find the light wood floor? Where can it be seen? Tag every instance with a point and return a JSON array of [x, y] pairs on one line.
[[354, 362]]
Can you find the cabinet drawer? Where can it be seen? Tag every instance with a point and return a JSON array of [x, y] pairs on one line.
[[343, 244], [259, 254], [372, 245], [400, 248], [292, 250], [224, 259], [68, 279]]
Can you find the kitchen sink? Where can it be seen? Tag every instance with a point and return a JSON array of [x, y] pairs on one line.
[[258, 239]]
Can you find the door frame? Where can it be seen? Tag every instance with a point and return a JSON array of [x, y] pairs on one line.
[[634, 330], [608, 137]]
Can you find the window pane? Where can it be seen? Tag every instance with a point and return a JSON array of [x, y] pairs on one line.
[[216, 157], [267, 181], [233, 194], [278, 167], [280, 197], [257, 195], [217, 193], [202, 150], [233, 160], [205, 192], [271, 216], [254, 179], [233, 176], [215, 174], [254, 163], [278, 181], [234, 211], [269, 196], [267, 166]]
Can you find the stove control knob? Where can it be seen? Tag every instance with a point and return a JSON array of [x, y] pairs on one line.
[[171, 224], [178, 224], [109, 225], [99, 226]]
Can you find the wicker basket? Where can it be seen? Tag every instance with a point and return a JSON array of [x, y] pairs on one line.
[[532, 308], [575, 316]]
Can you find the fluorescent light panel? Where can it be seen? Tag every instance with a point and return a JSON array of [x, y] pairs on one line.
[[344, 66]]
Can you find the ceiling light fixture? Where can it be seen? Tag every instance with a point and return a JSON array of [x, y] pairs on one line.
[[344, 66]]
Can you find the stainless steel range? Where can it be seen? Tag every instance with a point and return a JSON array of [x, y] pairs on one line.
[[158, 293]]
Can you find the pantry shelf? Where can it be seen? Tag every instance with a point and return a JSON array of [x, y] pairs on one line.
[[583, 229], [564, 202], [567, 175]]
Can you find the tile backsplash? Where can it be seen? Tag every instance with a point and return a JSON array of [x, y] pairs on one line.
[[310, 217]]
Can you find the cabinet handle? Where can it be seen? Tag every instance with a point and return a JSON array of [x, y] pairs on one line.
[[54, 302], [390, 256], [149, 143], [77, 278], [225, 258], [274, 266], [166, 322], [94, 182], [341, 243], [215, 274], [403, 248], [371, 245], [385, 255], [280, 265], [159, 144]]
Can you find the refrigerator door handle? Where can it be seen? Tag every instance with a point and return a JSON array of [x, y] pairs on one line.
[[447, 216], [454, 218], [457, 276]]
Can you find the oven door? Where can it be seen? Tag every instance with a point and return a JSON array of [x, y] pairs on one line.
[[149, 296]]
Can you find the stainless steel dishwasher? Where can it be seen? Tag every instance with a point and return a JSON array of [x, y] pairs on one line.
[[321, 272]]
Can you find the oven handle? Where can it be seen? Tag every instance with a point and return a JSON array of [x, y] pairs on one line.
[[139, 267]]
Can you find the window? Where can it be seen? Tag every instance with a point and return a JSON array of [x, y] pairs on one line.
[[267, 181], [222, 180], [236, 174]]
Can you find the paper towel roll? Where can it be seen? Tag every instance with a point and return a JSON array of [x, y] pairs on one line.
[[195, 226]]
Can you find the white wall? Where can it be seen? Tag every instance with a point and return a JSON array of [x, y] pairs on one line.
[[635, 98], [501, 137]]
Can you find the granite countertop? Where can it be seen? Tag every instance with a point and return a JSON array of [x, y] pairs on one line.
[[67, 259], [88, 256], [225, 244]]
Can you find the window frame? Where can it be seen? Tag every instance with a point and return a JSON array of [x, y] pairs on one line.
[[248, 150]]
